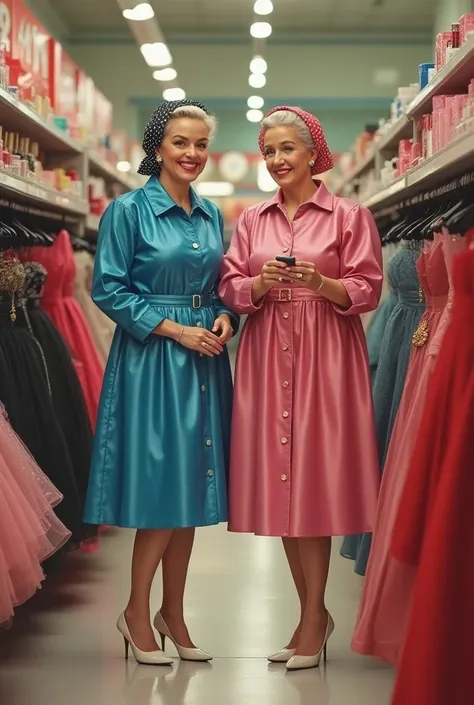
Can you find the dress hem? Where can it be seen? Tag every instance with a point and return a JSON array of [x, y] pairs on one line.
[[123, 525], [339, 534]]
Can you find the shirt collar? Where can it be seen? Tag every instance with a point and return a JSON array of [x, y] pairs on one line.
[[161, 201], [321, 198]]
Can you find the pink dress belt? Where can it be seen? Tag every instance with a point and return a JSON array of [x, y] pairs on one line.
[[283, 295]]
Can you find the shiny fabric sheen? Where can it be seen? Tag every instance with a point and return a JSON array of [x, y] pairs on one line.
[[162, 443], [303, 455]]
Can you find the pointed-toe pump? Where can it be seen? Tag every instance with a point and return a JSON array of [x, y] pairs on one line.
[[148, 658], [185, 653], [282, 656], [298, 662]]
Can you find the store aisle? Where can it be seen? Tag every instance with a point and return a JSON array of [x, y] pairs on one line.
[[64, 648]]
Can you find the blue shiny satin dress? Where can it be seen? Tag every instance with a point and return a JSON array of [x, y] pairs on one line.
[[161, 447]]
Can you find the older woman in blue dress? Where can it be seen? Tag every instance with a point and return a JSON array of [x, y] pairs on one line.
[[161, 448]]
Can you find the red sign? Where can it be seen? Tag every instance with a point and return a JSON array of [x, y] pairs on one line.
[[29, 51], [6, 25], [63, 78]]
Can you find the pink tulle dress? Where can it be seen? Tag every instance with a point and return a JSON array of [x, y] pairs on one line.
[[30, 532]]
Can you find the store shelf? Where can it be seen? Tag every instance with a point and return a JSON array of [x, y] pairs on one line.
[[365, 165], [453, 78], [446, 164], [450, 162], [99, 167], [20, 118], [31, 192], [386, 195], [92, 223], [400, 130]]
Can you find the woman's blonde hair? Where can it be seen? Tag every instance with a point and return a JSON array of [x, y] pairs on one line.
[[192, 111]]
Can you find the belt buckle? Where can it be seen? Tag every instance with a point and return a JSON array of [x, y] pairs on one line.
[[197, 301], [284, 294]]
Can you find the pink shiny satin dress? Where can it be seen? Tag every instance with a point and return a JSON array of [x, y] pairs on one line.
[[303, 450], [59, 303], [386, 597]]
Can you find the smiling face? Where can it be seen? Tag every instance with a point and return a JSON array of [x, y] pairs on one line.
[[286, 156], [184, 149]]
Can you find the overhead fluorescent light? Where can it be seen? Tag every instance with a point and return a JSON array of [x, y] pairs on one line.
[[156, 54], [174, 94], [168, 74], [257, 80], [124, 166], [261, 30], [264, 181], [255, 102], [141, 12], [254, 115], [263, 7], [215, 188], [258, 65]]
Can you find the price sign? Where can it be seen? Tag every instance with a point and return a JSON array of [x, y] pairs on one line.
[[29, 46]]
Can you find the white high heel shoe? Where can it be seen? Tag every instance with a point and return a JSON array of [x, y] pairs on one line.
[[148, 658], [185, 653], [298, 662], [282, 656]]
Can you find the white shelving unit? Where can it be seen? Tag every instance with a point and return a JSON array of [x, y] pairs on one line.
[[448, 163], [62, 151], [456, 158], [18, 187]]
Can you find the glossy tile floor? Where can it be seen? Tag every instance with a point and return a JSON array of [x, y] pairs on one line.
[[64, 649]]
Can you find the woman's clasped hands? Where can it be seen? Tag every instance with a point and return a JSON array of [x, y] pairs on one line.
[[206, 342]]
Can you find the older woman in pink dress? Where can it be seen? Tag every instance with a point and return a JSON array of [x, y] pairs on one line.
[[304, 463]]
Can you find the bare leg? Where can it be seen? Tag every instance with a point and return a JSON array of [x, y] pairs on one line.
[[294, 561], [175, 571], [149, 548], [315, 555]]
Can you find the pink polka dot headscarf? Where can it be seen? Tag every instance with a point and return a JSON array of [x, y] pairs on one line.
[[324, 160]]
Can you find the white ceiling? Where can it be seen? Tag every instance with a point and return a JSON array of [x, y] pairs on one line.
[[233, 17]]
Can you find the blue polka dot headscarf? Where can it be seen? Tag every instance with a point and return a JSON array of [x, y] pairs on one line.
[[155, 131]]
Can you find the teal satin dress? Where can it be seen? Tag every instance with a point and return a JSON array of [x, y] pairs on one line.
[[161, 447]]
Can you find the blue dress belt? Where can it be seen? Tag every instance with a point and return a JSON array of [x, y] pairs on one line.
[[195, 301]]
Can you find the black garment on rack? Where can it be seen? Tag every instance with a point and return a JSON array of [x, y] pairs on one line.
[[66, 391], [25, 392]]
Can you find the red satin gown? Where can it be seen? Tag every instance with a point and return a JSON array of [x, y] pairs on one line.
[[59, 303], [435, 527]]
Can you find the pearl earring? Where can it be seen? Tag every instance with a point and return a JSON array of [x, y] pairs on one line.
[[311, 163], [159, 159]]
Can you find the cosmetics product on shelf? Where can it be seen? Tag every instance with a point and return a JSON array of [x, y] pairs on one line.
[[4, 69], [454, 43], [443, 41], [426, 73], [466, 27]]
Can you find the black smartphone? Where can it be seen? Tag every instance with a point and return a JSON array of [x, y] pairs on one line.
[[289, 261]]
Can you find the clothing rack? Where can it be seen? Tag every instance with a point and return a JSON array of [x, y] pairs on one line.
[[457, 184], [54, 216]]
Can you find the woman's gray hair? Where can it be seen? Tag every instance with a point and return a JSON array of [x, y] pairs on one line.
[[192, 111], [290, 119]]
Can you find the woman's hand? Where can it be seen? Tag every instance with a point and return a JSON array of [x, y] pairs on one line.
[[201, 340], [306, 274], [223, 328], [272, 274]]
